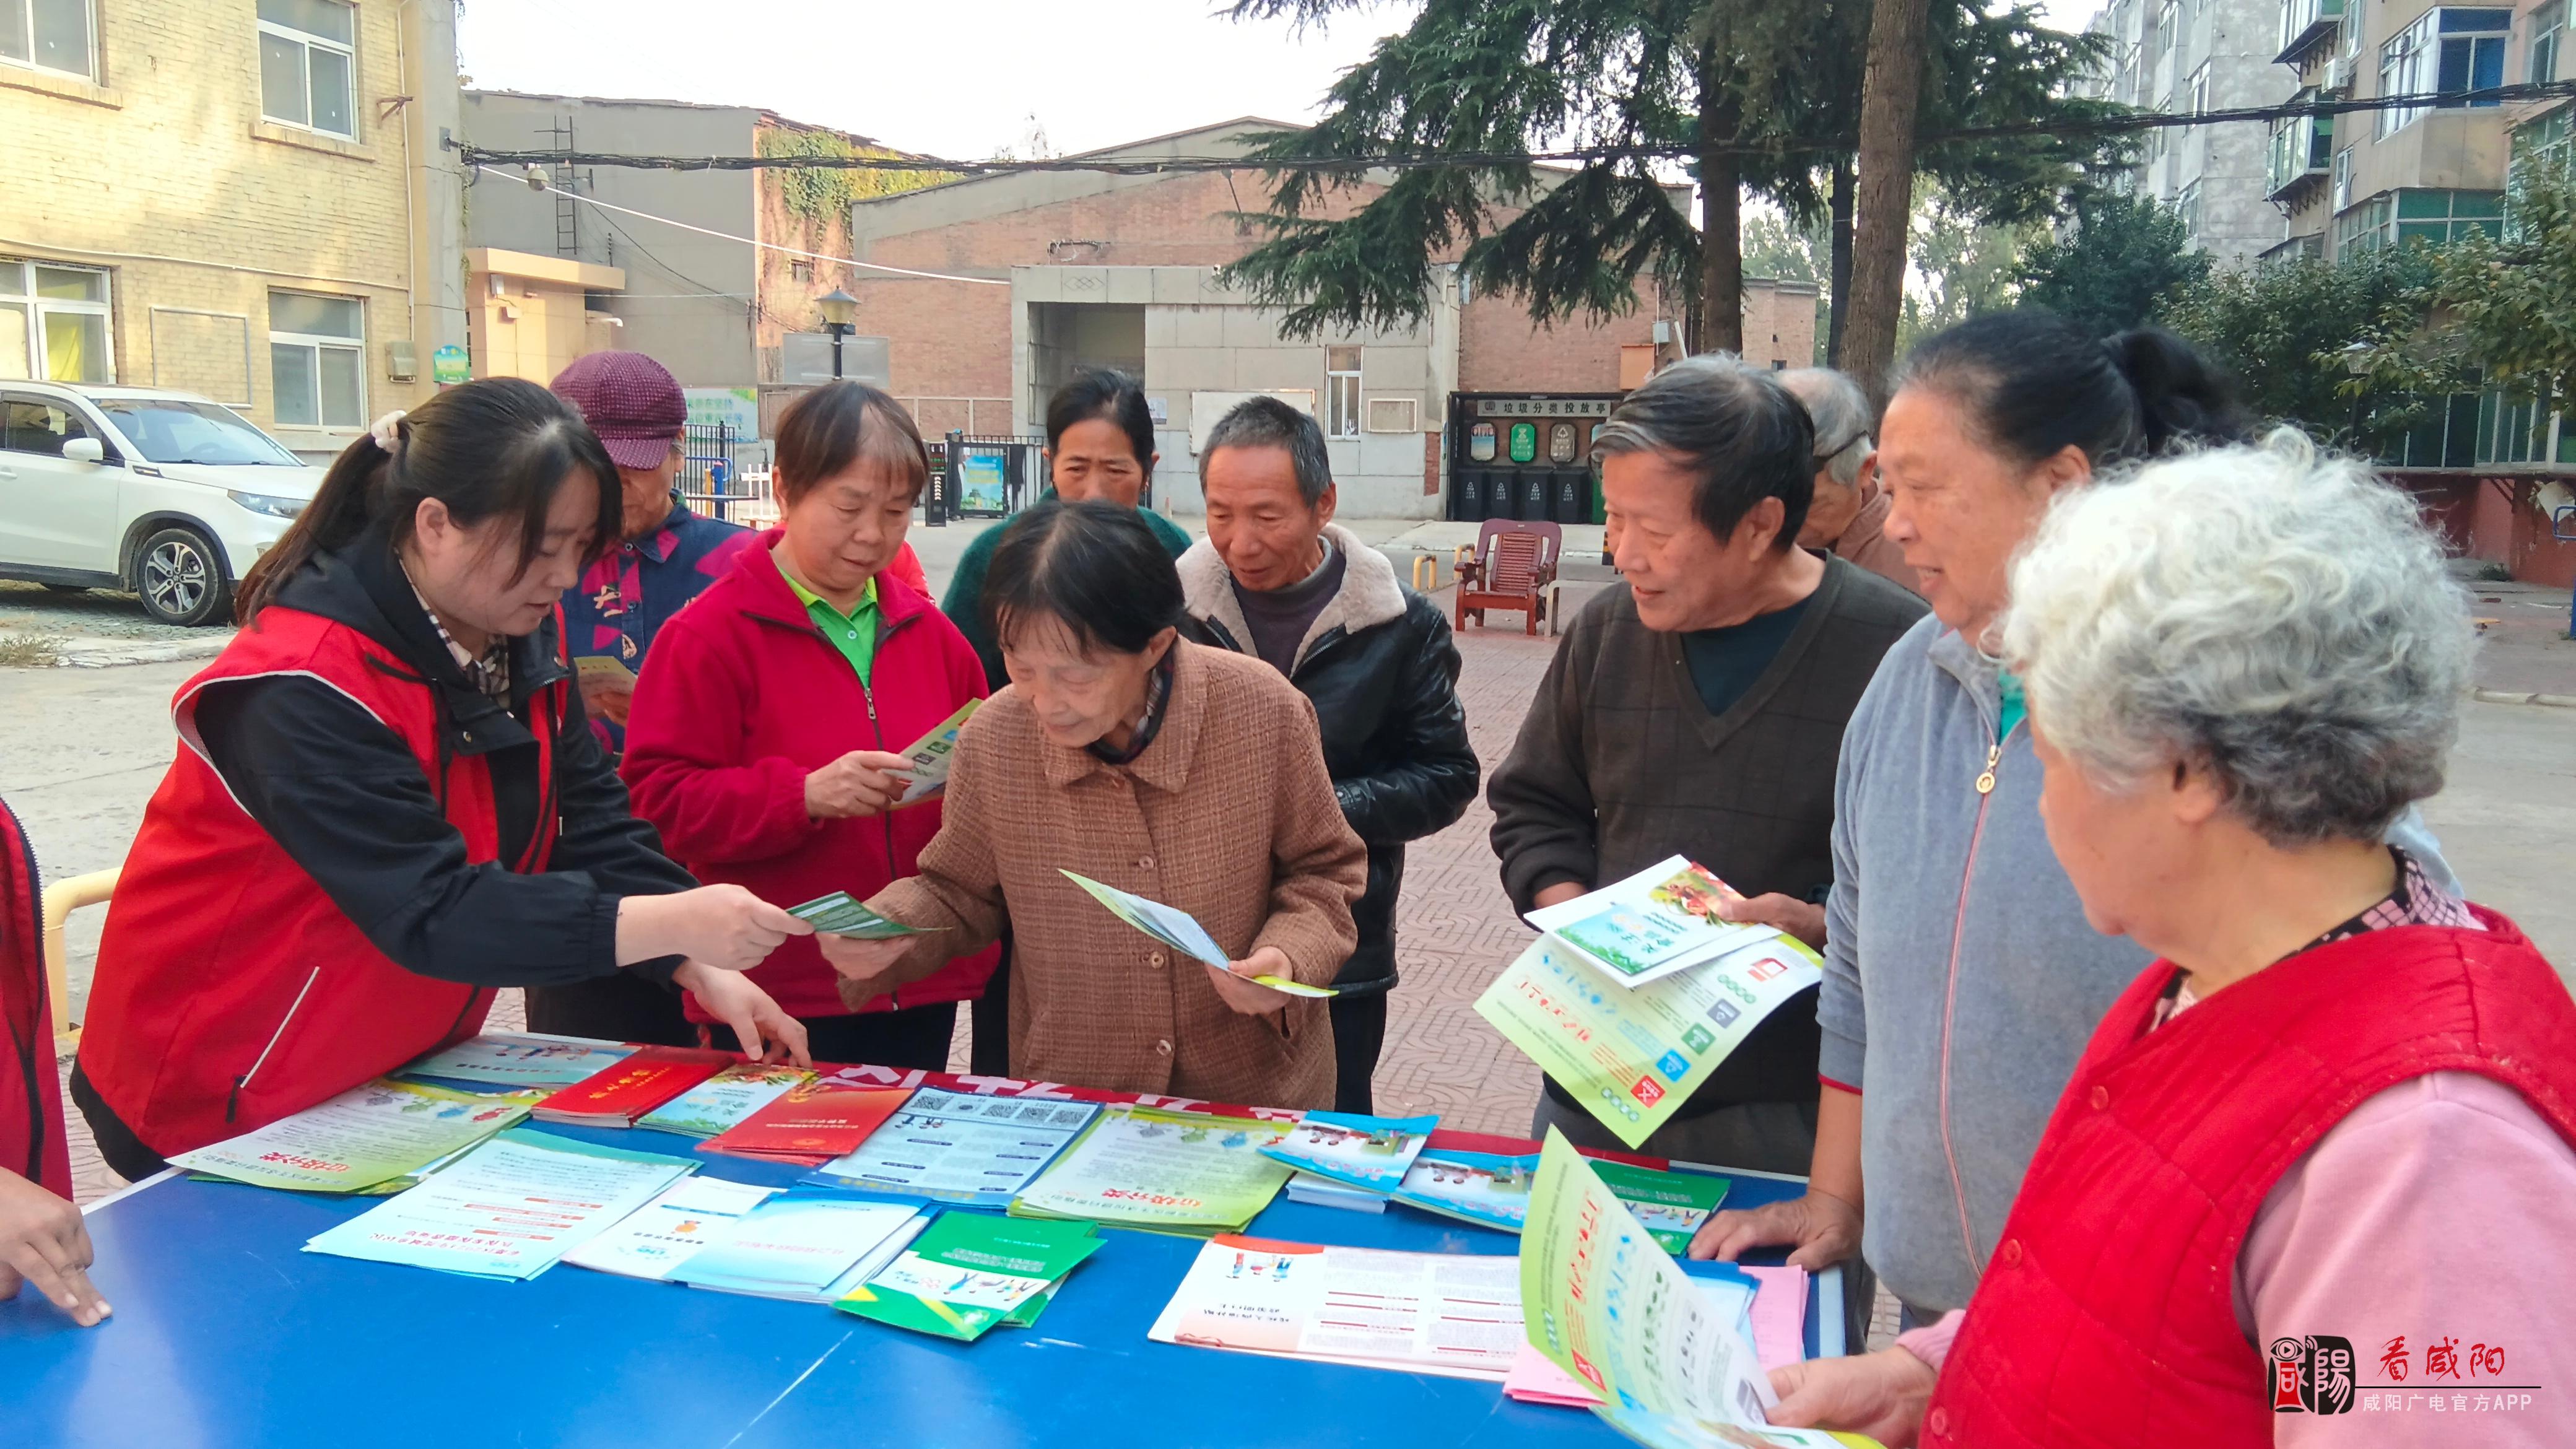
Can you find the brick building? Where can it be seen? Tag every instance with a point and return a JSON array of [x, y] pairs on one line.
[[1041, 272], [244, 201]]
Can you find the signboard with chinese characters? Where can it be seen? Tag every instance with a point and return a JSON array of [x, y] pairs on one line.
[[448, 366]]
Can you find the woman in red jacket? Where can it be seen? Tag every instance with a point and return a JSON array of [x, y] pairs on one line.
[[763, 741], [387, 803], [42, 1238], [2334, 1129]]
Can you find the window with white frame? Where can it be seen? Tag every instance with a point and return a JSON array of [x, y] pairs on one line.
[[2187, 208], [2548, 33], [2449, 49], [1341, 392], [317, 360], [2342, 178], [49, 35], [2200, 89], [53, 320], [308, 65]]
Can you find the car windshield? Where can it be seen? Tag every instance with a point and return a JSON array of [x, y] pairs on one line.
[[172, 430]]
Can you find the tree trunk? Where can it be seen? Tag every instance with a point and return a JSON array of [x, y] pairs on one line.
[[1891, 90], [1838, 286], [1721, 231]]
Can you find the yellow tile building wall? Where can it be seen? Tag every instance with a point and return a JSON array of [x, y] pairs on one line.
[[164, 173]]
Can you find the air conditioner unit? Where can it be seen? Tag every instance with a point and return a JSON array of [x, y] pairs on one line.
[[1394, 415], [402, 360], [2338, 77]]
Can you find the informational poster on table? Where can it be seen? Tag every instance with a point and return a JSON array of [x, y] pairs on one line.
[[1633, 1055], [1457, 1315]]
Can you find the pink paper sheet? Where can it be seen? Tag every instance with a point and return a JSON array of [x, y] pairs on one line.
[[1535, 1379], [1779, 1315]]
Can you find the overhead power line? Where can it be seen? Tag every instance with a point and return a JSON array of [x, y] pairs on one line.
[[2125, 123]]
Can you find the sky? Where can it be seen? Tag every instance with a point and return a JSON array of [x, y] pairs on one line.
[[959, 78]]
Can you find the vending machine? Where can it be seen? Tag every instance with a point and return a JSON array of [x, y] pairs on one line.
[[1525, 455]]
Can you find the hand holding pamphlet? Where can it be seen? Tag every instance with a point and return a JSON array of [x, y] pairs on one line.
[[1661, 920], [1182, 932], [839, 915], [363, 1138]]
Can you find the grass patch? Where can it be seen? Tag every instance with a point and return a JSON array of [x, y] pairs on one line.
[[28, 651]]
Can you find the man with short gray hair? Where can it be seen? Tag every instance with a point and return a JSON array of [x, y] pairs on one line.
[[1849, 509], [1277, 578], [1699, 711]]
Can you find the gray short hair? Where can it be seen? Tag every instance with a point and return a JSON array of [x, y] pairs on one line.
[[1266, 422], [1731, 424], [2281, 619], [1841, 413]]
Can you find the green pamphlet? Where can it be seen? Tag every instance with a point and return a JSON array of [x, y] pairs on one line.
[[1170, 1172], [970, 1271], [839, 915], [384, 1132]]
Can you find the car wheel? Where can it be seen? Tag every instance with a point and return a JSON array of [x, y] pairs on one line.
[[180, 576]]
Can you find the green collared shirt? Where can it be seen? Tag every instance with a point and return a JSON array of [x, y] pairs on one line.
[[853, 633]]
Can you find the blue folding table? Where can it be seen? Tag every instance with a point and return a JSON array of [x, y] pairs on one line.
[[228, 1334]]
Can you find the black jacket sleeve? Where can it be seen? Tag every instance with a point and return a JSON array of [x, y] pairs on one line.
[[1430, 773], [345, 799], [1546, 830]]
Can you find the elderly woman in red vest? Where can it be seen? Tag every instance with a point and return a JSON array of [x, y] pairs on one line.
[[42, 1238], [2315, 1168], [387, 803]]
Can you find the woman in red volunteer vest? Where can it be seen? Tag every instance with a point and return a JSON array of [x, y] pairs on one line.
[[763, 741], [387, 803], [42, 1239], [2314, 1180]]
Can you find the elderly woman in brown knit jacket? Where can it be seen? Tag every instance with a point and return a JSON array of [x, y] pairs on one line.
[[1187, 775]]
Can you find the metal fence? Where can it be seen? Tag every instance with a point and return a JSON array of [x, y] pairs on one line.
[[714, 480]]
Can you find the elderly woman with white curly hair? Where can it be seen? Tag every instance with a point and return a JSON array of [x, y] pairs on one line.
[[2316, 1164]]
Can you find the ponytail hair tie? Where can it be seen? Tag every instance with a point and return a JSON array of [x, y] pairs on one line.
[[387, 430]]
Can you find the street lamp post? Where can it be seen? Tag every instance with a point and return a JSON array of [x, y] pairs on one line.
[[840, 315]]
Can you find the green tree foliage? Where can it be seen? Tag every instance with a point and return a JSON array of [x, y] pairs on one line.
[[2116, 260], [2286, 332], [1491, 80], [1961, 266], [2497, 310]]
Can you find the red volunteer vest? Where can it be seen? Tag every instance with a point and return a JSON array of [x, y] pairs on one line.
[[31, 1095], [231, 991], [2107, 1316]]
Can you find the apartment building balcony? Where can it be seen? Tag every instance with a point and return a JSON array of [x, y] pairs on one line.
[[2302, 150], [2305, 25]]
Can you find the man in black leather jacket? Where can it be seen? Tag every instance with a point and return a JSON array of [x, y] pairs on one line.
[[1275, 577]]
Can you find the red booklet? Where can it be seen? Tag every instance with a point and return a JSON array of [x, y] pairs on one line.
[[644, 1081], [811, 1125]]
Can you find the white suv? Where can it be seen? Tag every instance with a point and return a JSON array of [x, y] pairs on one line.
[[164, 493]]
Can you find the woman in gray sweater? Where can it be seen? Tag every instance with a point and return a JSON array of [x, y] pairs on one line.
[[1961, 980]]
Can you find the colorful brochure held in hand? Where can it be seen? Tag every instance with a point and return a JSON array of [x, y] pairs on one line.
[[363, 1138], [1661, 920], [1633, 1056], [960, 1148], [968, 1272], [671, 1229], [927, 760], [508, 1209], [1172, 1172], [1181, 931], [1365, 1152], [839, 915], [1441, 1313], [800, 1245], [1669, 1354], [809, 1125], [524, 1059], [648, 1079], [721, 1102]]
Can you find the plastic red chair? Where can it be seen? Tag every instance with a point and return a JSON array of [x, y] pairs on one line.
[[1512, 565]]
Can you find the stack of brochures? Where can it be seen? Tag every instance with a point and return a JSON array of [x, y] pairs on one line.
[[804, 1245], [956, 1147], [1172, 1172], [809, 1125], [1493, 1190], [617, 1096], [968, 1272], [719, 1103], [527, 1059], [376, 1138], [1345, 1160], [508, 1209], [1437, 1313]]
